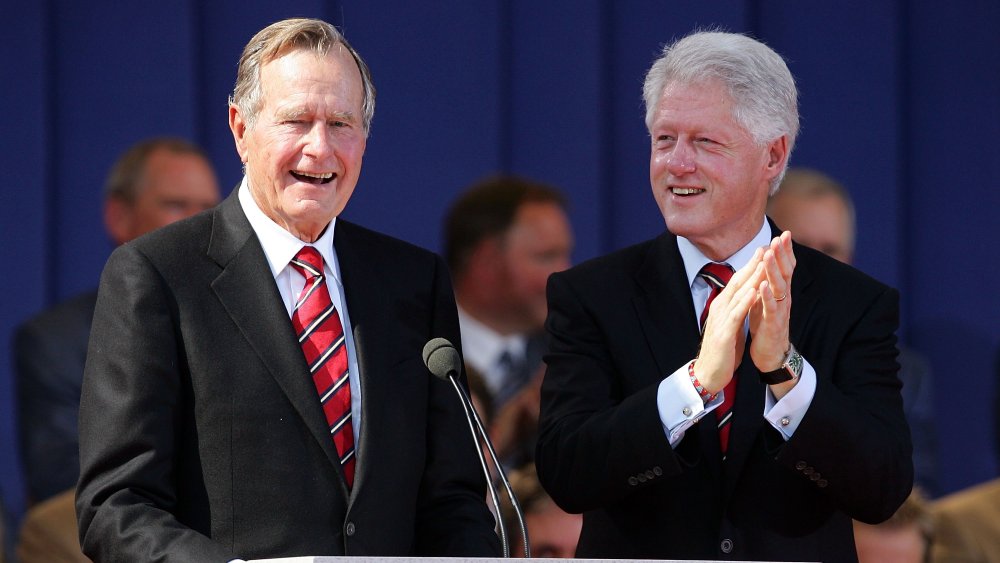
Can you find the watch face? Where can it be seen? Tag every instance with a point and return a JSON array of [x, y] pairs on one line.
[[795, 362]]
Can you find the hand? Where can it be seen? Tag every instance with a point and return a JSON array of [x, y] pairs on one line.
[[723, 340], [771, 311]]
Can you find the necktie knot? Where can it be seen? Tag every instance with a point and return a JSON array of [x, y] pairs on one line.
[[309, 262], [717, 275]]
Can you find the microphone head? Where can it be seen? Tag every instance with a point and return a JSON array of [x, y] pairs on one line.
[[441, 358]]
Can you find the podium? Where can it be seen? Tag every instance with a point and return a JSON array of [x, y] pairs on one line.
[[314, 559]]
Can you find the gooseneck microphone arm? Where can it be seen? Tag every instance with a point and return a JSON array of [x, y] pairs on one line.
[[442, 360], [494, 494]]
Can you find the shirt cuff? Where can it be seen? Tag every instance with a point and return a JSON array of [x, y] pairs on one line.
[[680, 405], [786, 414]]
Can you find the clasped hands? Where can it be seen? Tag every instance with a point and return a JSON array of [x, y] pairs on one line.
[[762, 290]]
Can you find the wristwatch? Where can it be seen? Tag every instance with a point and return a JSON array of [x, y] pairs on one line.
[[791, 368]]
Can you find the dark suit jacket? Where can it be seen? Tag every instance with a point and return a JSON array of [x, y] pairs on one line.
[[49, 353], [202, 437], [621, 323]]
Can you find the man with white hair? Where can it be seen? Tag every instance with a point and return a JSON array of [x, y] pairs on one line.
[[720, 392]]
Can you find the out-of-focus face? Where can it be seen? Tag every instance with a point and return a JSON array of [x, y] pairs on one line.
[[886, 544], [553, 533], [823, 222], [303, 154], [538, 243], [173, 186], [710, 180]]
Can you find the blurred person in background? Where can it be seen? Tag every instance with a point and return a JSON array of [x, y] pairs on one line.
[[906, 537], [552, 532], [503, 237]]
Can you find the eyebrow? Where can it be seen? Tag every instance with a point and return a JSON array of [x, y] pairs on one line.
[[295, 113]]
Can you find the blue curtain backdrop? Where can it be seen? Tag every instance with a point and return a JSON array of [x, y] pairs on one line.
[[900, 101]]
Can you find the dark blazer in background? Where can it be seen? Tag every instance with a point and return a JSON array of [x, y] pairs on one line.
[[49, 354], [621, 323], [202, 437]]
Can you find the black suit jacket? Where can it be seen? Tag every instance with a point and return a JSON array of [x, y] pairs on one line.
[[621, 323], [202, 437], [49, 354]]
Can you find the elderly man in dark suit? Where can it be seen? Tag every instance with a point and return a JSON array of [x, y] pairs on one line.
[[254, 385], [757, 430]]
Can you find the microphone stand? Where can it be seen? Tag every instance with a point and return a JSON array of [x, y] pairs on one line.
[[469, 408]]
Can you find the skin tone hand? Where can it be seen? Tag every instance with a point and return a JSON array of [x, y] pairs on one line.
[[723, 340], [770, 313]]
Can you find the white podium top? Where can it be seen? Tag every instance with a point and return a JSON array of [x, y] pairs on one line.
[[322, 559]]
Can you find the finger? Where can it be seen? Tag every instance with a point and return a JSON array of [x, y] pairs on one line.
[[777, 284], [749, 273], [785, 254]]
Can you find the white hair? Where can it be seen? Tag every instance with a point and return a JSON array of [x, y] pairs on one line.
[[765, 100]]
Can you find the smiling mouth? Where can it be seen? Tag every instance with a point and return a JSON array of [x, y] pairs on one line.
[[312, 177], [684, 192]]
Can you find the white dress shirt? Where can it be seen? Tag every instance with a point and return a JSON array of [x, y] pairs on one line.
[[680, 405], [483, 348]]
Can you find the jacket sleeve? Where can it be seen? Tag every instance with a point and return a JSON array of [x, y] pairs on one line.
[[129, 424], [594, 436]]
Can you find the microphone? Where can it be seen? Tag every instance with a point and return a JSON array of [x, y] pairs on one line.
[[442, 360]]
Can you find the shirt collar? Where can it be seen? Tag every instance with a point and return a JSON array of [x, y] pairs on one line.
[[694, 260], [279, 245], [484, 344]]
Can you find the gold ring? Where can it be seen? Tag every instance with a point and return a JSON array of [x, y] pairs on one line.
[[782, 298]]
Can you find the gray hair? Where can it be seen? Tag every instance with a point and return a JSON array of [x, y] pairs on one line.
[[765, 100], [278, 39]]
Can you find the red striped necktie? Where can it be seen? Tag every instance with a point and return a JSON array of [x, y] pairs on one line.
[[321, 336], [717, 276]]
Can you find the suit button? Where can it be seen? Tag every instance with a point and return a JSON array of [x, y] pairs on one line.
[[349, 529], [822, 483], [633, 481], [726, 546], [801, 465], [641, 477], [657, 471], [815, 476], [649, 474], [808, 470]]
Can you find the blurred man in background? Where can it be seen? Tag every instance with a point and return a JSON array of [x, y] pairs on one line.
[[553, 532], [502, 238]]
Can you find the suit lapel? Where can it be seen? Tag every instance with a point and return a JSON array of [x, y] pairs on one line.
[[248, 293], [666, 314], [665, 307], [365, 306]]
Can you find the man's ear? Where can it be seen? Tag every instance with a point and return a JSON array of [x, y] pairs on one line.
[[118, 219], [238, 125], [777, 155]]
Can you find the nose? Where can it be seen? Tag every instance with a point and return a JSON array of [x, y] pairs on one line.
[[317, 141], [680, 160]]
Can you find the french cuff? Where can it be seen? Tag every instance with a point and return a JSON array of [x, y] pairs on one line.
[[786, 414], [680, 405]]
